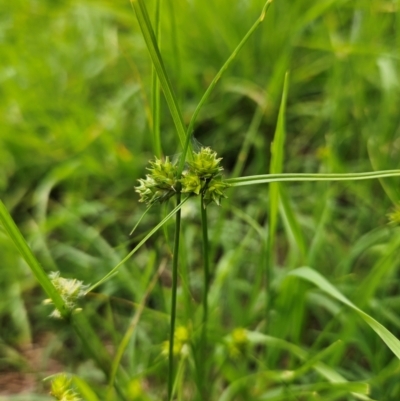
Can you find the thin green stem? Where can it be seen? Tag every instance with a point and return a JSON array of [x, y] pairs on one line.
[[203, 343], [298, 177], [206, 261], [175, 260]]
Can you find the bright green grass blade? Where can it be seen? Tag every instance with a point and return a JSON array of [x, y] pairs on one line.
[[228, 62], [151, 42], [334, 390], [23, 248], [140, 219], [324, 370], [276, 166], [292, 222], [364, 243], [85, 389], [381, 269], [311, 362], [314, 277], [155, 90], [283, 392], [159, 225], [298, 177]]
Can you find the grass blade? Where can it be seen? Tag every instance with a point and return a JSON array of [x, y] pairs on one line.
[[298, 177], [314, 277], [79, 322], [155, 90], [275, 168], [23, 248], [151, 42], [156, 228], [228, 62]]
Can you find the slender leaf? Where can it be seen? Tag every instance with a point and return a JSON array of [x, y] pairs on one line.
[[134, 250], [228, 62], [298, 177], [151, 42], [23, 248], [314, 277]]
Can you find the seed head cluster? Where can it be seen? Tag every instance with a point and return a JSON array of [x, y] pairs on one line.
[[61, 389], [202, 176], [69, 289]]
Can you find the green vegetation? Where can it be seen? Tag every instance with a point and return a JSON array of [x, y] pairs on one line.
[[286, 291]]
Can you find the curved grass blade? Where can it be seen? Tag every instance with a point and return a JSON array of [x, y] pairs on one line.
[[298, 177], [91, 342], [314, 277], [228, 62], [156, 228], [23, 248], [324, 370], [152, 47]]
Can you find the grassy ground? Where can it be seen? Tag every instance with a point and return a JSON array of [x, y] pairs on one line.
[[76, 132]]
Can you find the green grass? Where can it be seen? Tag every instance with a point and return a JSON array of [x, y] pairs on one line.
[[80, 118]]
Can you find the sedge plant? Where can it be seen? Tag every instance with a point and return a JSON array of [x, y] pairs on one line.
[[199, 173]]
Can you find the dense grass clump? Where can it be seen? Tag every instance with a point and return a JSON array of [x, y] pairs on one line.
[[264, 255]]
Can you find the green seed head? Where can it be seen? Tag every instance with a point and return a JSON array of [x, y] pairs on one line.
[[394, 215], [215, 191], [69, 289], [205, 163], [191, 182], [61, 389], [160, 184]]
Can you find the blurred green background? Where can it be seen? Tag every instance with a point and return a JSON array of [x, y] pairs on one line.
[[75, 135]]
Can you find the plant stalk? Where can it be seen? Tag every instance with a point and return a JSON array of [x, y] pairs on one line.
[[206, 263], [175, 260]]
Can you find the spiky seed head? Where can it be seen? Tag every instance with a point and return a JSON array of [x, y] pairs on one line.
[[394, 215], [191, 182], [205, 163], [69, 289], [160, 184], [61, 389], [215, 191]]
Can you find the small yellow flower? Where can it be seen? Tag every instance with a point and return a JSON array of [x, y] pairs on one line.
[[135, 390], [237, 342], [181, 339], [182, 334]]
